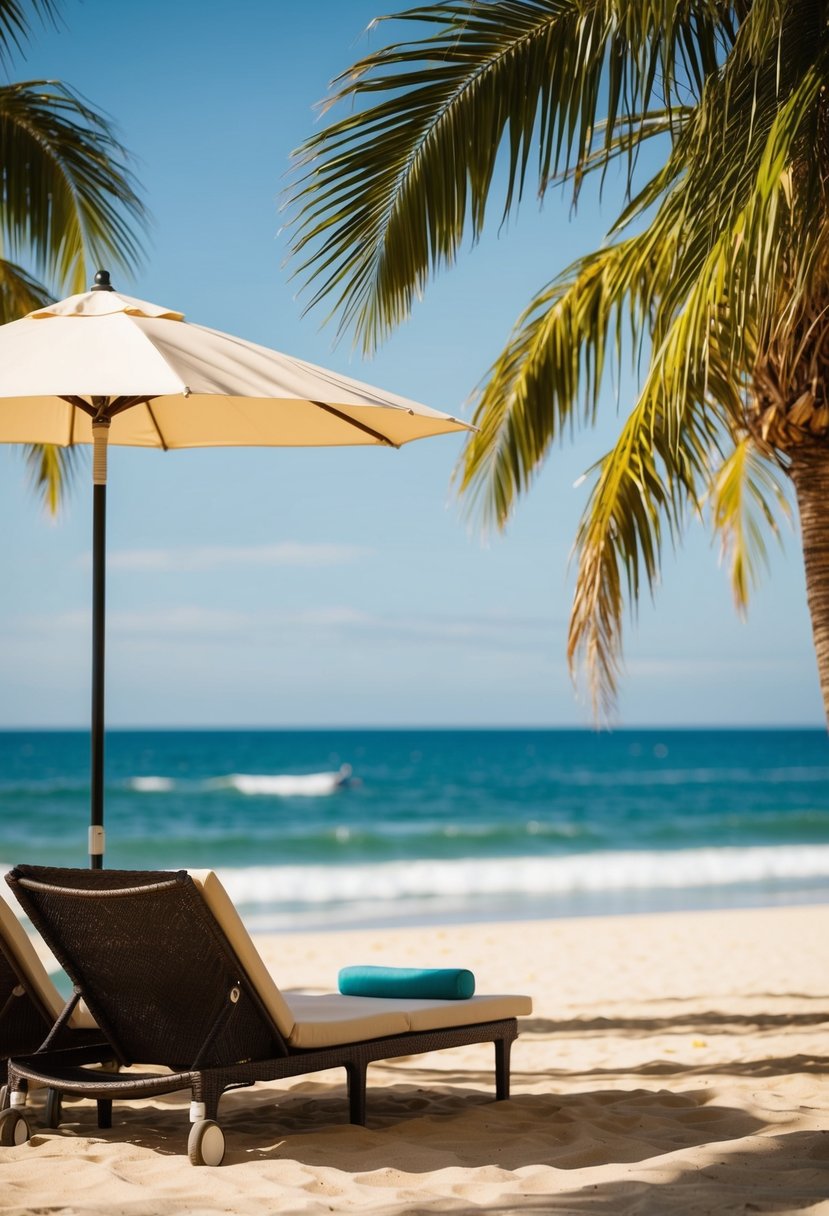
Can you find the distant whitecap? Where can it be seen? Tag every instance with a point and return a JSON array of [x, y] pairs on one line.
[[151, 785], [287, 785]]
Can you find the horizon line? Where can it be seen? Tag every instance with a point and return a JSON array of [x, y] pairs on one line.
[[440, 727]]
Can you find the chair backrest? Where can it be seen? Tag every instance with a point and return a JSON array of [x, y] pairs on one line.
[[154, 966], [26, 1009], [29, 1001]]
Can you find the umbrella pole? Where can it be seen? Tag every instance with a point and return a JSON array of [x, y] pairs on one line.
[[100, 432]]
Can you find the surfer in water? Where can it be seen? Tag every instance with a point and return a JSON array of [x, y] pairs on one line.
[[344, 777]]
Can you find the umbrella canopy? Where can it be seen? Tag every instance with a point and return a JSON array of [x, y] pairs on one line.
[[172, 384], [102, 368]]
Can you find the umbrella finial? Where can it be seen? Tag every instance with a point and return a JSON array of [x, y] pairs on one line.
[[102, 282]]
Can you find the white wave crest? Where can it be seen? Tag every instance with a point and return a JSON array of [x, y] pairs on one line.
[[286, 785], [151, 785], [390, 882]]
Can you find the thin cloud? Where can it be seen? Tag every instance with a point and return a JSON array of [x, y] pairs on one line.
[[513, 633], [217, 557], [341, 623]]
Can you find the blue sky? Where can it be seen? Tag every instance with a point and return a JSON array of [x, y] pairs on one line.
[[340, 587]]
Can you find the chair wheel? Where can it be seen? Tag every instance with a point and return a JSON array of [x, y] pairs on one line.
[[14, 1127], [4, 1097], [206, 1144], [53, 1108]]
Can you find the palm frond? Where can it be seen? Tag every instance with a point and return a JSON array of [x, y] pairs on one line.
[[747, 496], [718, 249], [696, 288], [68, 197], [16, 24], [669, 458], [646, 484], [68, 201], [51, 468], [551, 373], [723, 193], [727, 262], [385, 194], [51, 471], [564, 341], [624, 141], [19, 292]]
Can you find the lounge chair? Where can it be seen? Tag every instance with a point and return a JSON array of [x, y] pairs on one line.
[[30, 1004], [173, 979]]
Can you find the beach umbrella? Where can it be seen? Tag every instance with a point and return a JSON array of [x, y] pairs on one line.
[[102, 368]]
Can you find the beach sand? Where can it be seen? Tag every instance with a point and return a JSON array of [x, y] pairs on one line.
[[674, 1063]]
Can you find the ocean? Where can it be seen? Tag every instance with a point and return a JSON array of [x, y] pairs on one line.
[[342, 828]]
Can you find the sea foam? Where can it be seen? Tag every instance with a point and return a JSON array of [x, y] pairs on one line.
[[533, 877], [305, 785], [151, 785]]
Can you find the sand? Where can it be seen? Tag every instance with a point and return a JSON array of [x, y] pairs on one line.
[[674, 1063]]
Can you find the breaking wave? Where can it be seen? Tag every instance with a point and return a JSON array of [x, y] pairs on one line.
[[277, 785], [470, 881]]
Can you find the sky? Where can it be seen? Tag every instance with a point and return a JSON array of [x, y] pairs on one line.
[[342, 587]]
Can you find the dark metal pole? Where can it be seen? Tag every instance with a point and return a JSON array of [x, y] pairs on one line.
[[100, 437], [100, 430]]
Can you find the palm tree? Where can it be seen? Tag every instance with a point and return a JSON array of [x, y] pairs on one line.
[[714, 276], [67, 200]]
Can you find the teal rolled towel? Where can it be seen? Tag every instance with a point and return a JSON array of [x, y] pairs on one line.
[[424, 983]]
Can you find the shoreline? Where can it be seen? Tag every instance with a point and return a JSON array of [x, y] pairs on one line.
[[674, 1062], [593, 907]]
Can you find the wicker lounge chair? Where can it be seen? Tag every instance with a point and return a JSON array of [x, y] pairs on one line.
[[173, 979], [30, 1004]]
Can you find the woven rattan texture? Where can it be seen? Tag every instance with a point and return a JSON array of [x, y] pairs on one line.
[[23, 1024], [62, 1071], [166, 987], [153, 966]]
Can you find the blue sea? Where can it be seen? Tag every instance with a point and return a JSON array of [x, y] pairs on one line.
[[336, 828]]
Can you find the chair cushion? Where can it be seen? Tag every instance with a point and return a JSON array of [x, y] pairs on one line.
[[330, 1020], [436, 1015], [326, 1021], [221, 905]]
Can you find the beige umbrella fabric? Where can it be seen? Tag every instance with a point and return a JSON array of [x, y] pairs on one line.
[[102, 368], [188, 386]]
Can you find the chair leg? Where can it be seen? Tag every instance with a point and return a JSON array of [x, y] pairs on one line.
[[502, 1053], [104, 1112], [207, 1093], [356, 1073]]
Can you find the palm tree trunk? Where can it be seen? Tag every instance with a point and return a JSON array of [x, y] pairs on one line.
[[810, 474]]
